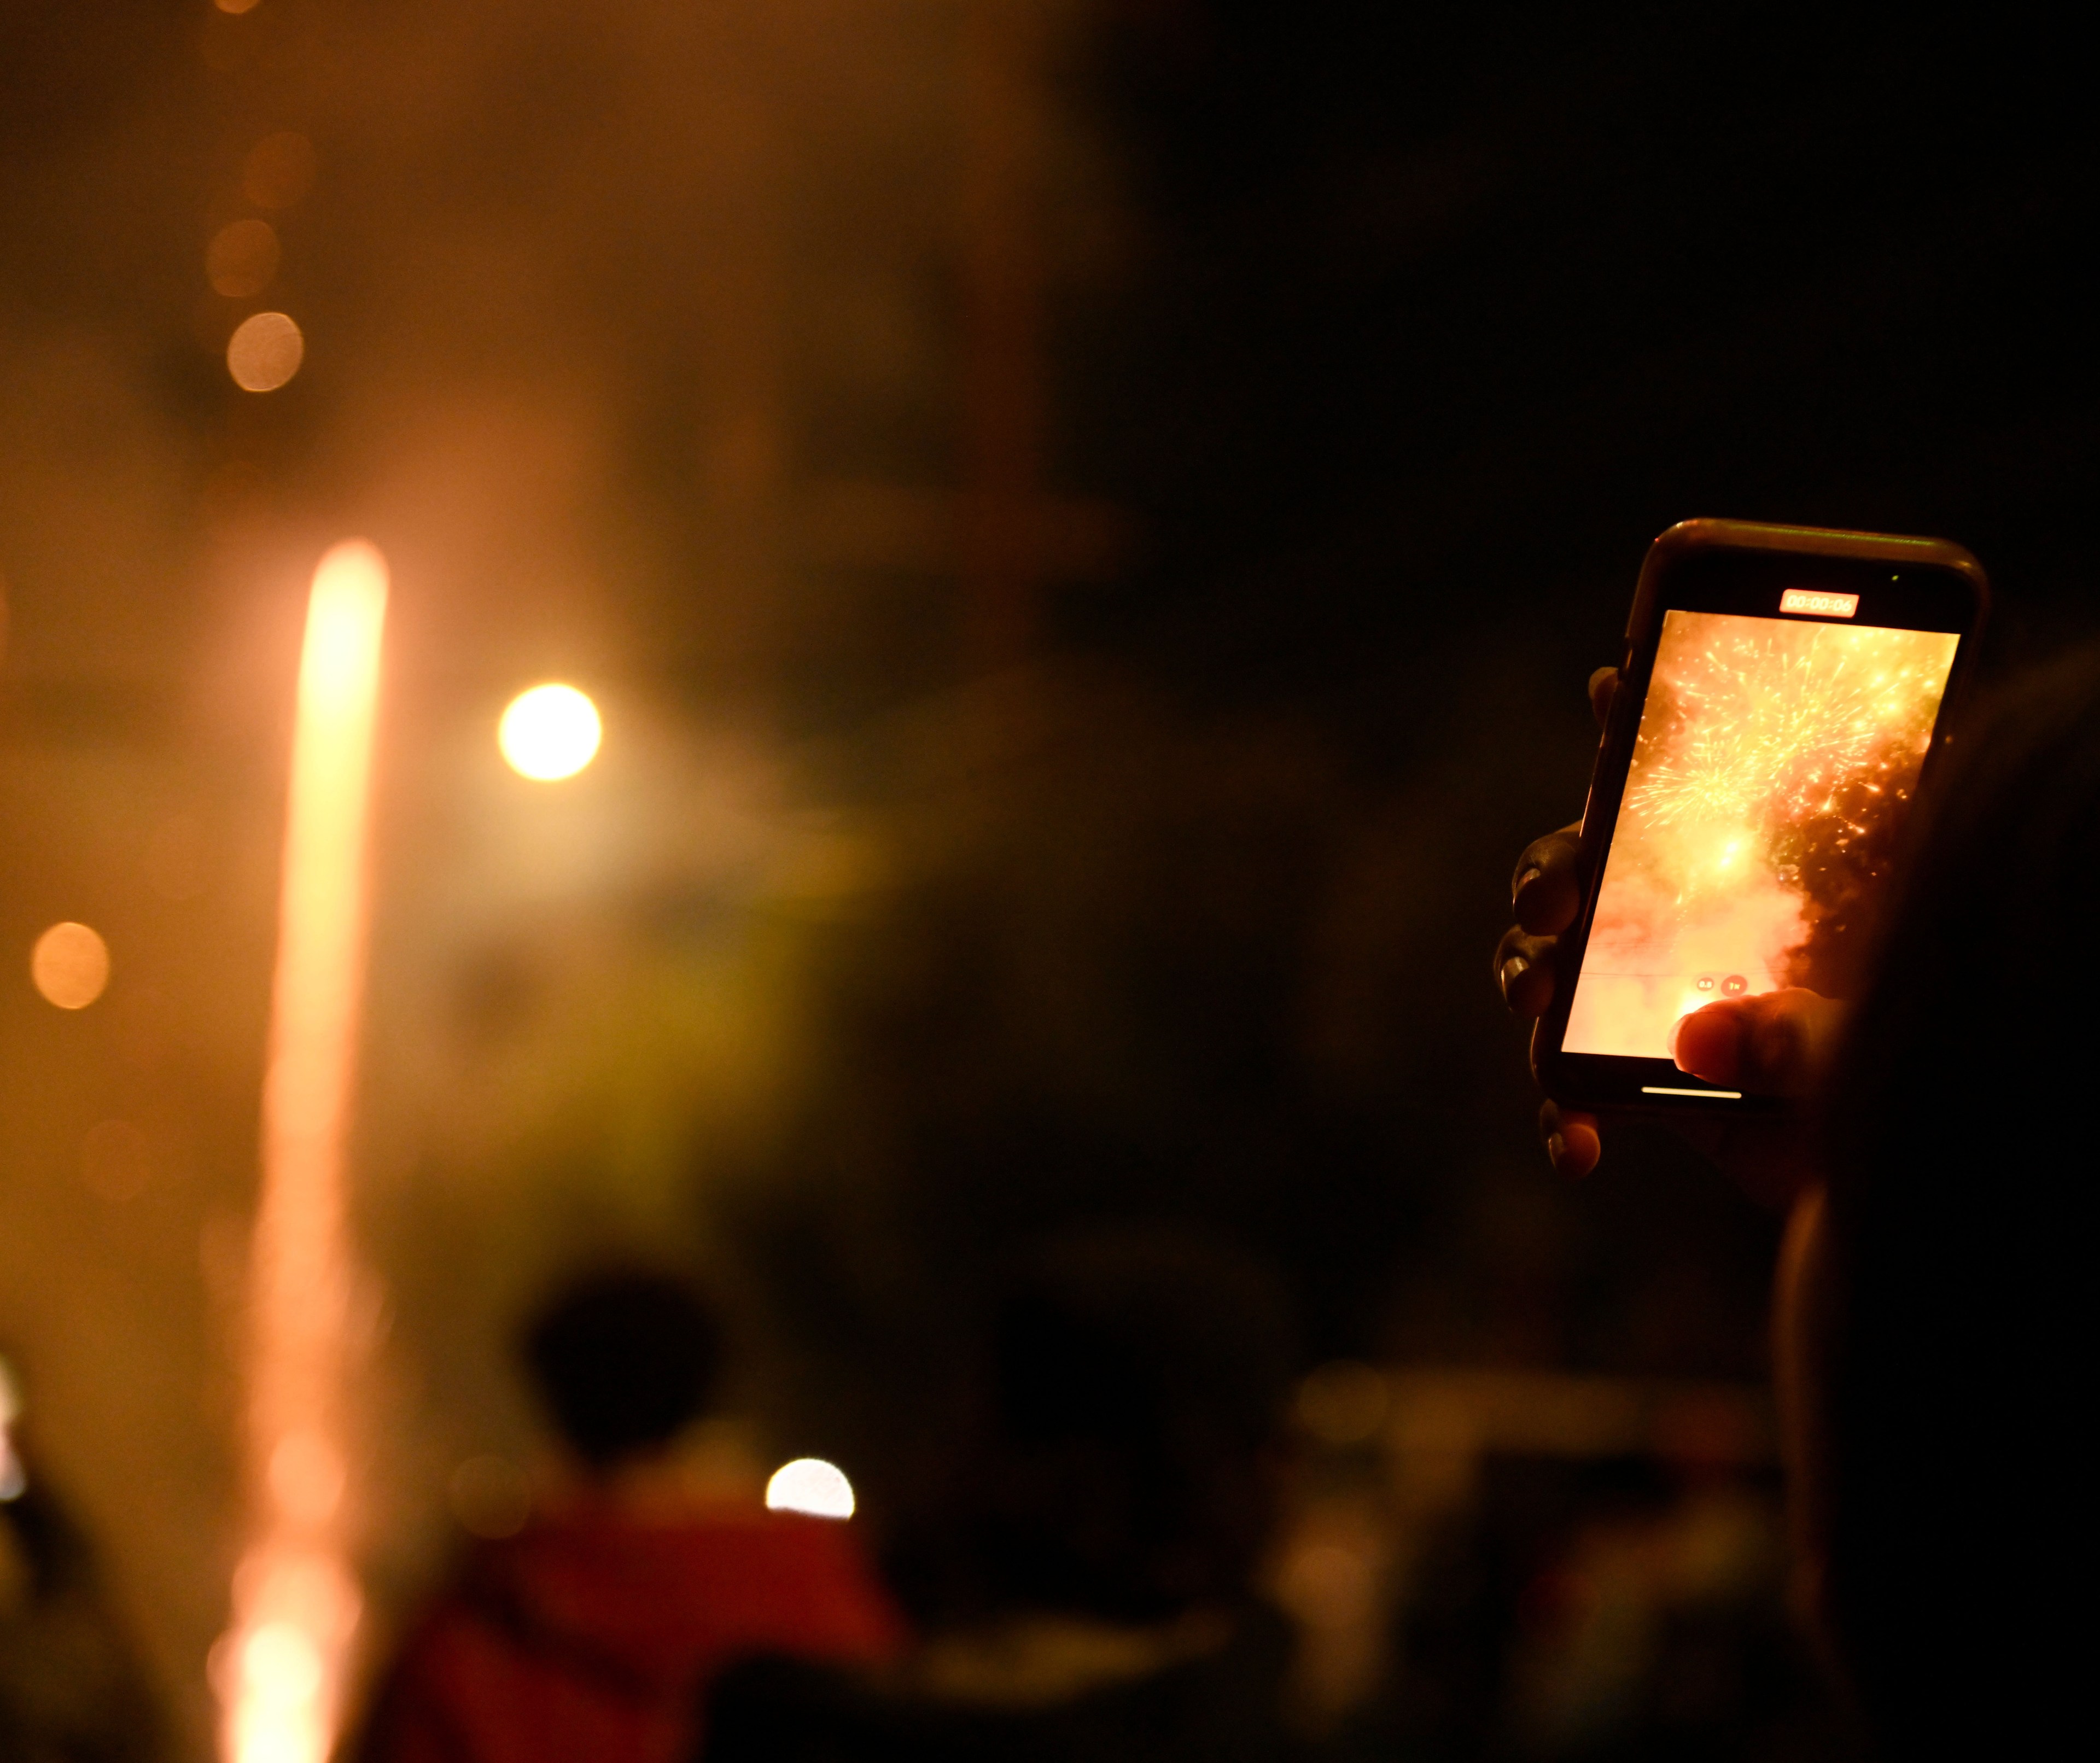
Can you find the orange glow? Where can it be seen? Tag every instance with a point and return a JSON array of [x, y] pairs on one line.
[[265, 352], [242, 258], [549, 733], [1344, 1401], [279, 170], [280, 1670], [812, 1486], [116, 1161], [491, 1496], [70, 965], [1773, 764]]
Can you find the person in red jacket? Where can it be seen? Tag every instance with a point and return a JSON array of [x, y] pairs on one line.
[[593, 1634]]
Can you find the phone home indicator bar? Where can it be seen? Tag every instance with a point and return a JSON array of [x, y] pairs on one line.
[[1718, 1095], [1817, 604]]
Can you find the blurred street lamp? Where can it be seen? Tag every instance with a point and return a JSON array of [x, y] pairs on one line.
[[70, 965], [265, 352], [812, 1486], [550, 732]]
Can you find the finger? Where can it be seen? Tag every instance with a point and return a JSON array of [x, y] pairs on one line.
[[1546, 890], [1524, 970], [1572, 1139], [1604, 686], [1777, 1043], [1793, 1035]]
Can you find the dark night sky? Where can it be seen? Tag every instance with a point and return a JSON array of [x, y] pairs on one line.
[[1444, 312]]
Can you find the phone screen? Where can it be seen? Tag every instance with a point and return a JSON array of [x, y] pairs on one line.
[[1774, 763]]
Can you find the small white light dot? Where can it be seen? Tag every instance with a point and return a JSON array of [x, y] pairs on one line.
[[550, 732], [810, 1485]]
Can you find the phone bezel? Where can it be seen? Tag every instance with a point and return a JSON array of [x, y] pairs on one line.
[[1740, 567]]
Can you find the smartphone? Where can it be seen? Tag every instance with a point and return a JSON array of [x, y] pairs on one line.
[[1784, 696]]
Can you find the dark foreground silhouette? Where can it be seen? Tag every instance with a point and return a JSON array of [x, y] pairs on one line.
[[593, 1632]]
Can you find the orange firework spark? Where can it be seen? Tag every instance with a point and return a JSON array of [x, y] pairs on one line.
[[1768, 722], [280, 1669]]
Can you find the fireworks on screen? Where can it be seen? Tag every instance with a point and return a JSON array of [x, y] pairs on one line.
[[1774, 762]]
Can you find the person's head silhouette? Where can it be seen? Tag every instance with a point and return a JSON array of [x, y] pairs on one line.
[[1945, 1318], [624, 1360]]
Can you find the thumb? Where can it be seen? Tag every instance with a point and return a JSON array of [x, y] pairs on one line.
[[1777, 1043]]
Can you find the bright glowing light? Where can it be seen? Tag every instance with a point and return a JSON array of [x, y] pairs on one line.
[[550, 732], [809, 1484], [1772, 770], [281, 1663], [242, 259], [70, 965], [294, 1605], [265, 352], [279, 170]]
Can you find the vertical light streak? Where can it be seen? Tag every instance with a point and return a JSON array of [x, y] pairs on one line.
[[280, 1670]]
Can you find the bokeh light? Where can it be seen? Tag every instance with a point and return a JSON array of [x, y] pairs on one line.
[[1327, 1585], [810, 1485], [550, 732], [235, 6], [279, 170], [242, 259], [265, 352], [70, 965]]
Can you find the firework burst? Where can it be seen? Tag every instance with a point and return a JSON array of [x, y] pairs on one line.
[[1760, 739]]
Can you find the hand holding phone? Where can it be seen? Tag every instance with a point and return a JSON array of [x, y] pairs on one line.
[[1776, 1043], [1783, 698]]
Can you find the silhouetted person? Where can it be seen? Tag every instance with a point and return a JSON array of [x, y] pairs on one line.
[[1101, 1606], [591, 1634], [71, 1688], [1936, 1309]]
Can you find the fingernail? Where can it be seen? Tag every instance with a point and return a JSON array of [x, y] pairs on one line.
[[1556, 1148], [1513, 970], [1525, 881]]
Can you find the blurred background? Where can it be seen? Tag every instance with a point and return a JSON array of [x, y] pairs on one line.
[[1086, 522]]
